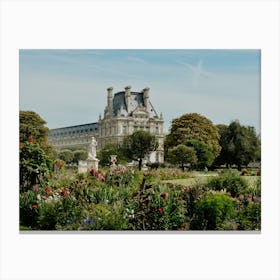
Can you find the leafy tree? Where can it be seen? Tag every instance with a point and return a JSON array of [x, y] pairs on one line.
[[182, 155], [109, 149], [193, 127], [240, 145], [138, 145], [221, 159], [31, 124], [66, 155], [204, 153], [35, 165], [80, 155]]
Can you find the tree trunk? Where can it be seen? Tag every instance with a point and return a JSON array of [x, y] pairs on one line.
[[140, 164]]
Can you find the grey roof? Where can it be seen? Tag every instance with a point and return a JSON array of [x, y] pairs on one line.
[[136, 99], [89, 127]]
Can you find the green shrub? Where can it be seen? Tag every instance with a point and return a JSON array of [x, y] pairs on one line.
[[28, 209], [35, 166], [249, 216], [157, 208], [230, 181], [48, 215], [213, 210], [106, 217]]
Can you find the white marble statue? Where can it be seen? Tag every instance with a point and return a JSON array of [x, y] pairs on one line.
[[92, 149]]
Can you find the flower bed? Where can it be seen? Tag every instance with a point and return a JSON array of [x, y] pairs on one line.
[[126, 199]]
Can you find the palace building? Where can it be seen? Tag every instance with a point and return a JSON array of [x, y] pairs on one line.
[[126, 111]]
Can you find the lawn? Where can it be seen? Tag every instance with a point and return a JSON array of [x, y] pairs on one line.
[[199, 178]]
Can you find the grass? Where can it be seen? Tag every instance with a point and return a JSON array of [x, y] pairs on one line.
[[201, 178]]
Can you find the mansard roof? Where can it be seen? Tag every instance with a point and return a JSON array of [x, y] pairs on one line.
[[136, 99]]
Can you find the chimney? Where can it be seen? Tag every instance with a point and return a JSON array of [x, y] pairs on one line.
[[127, 97], [146, 97], [110, 99]]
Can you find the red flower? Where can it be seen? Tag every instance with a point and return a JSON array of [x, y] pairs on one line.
[[92, 172], [34, 206], [160, 210], [163, 195], [30, 139], [48, 189]]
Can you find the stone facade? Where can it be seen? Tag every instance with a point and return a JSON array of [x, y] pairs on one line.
[[126, 111]]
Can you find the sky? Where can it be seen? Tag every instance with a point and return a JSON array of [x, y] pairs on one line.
[[69, 87]]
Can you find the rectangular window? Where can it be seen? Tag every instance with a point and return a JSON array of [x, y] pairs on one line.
[[124, 129]]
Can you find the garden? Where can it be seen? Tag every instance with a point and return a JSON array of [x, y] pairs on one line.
[[180, 194], [126, 199]]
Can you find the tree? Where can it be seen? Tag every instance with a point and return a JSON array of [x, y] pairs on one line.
[[66, 155], [35, 165], [109, 149], [204, 153], [31, 124], [182, 155], [79, 155], [190, 127], [138, 145], [240, 145]]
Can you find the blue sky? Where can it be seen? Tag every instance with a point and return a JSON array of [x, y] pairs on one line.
[[68, 87]]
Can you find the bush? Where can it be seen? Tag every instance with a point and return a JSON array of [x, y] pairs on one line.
[[157, 208], [249, 216], [28, 207], [212, 211], [35, 165], [229, 181]]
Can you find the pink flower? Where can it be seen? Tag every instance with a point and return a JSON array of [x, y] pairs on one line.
[[35, 206], [160, 210]]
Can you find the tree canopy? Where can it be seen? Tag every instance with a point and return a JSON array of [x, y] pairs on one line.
[[204, 153], [182, 155], [138, 145], [109, 149], [66, 155], [79, 155], [240, 145], [193, 126], [31, 124]]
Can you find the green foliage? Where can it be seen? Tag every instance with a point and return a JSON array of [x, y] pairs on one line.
[[66, 155], [48, 215], [73, 201], [31, 124], [212, 211], [79, 155], [28, 209], [240, 145], [190, 127], [110, 149], [157, 210], [230, 182], [204, 153], [182, 155], [139, 145], [35, 165], [249, 216]]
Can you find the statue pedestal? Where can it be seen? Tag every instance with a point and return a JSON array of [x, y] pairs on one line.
[[85, 165], [92, 164]]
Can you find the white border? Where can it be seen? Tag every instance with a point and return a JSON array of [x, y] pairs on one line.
[[155, 24]]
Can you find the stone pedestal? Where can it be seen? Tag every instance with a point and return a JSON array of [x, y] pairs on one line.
[[85, 165], [92, 164], [82, 166]]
